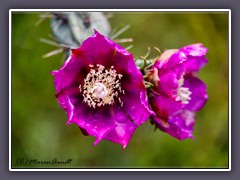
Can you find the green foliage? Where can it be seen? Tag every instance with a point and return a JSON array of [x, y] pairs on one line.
[[38, 122]]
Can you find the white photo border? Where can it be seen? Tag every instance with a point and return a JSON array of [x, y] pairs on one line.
[[123, 10]]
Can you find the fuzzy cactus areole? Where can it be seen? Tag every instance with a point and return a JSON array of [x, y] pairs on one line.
[[102, 90], [177, 93]]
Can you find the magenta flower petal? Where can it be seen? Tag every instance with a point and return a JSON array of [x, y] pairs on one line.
[[164, 107], [194, 64], [195, 50], [69, 73], [180, 125], [97, 123], [65, 98], [175, 59], [168, 85], [137, 106], [199, 94], [195, 54], [169, 59], [98, 86], [124, 128], [97, 49]]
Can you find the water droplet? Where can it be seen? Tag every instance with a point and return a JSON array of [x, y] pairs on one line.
[[96, 115], [90, 120], [121, 117], [131, 129], [133, 108]]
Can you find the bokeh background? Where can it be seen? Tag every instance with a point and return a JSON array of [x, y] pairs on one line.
[[38, 123]]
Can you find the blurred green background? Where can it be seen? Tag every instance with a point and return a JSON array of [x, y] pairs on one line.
[[38, 123]]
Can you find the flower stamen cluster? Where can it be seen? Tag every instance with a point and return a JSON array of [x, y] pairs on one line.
[[101, 86], [183, 93]]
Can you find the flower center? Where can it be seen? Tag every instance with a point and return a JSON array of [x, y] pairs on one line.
[[101, 86], [183, 93], [99, 90]]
